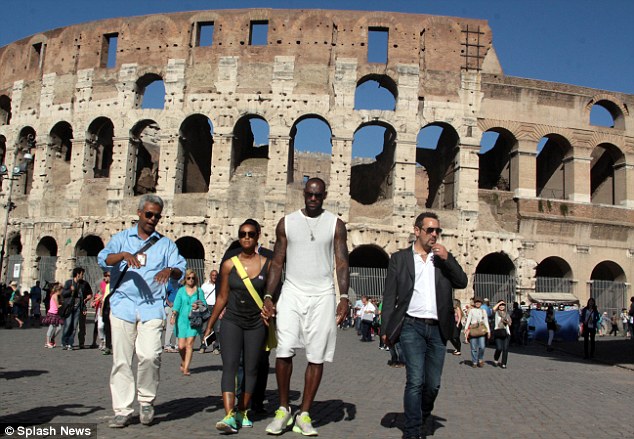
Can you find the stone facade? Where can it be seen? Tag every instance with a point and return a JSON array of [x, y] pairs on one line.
[[96, 149]]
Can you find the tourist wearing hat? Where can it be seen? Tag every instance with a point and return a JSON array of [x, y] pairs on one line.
[[477, 316], [501, 333]]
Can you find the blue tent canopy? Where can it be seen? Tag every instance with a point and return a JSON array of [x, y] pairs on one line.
[[567, 320]]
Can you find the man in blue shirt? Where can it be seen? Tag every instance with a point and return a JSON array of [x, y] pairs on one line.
[[136, 308]]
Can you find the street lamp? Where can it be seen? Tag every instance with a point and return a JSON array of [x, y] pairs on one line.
[[17, 171]]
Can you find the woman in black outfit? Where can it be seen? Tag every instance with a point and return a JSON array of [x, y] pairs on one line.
[[243, 331], [455, 340]]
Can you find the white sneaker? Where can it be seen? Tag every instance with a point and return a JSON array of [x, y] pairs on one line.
[[283, 419], [304, 425]]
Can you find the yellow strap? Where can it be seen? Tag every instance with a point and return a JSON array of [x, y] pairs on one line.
[[247, 282]]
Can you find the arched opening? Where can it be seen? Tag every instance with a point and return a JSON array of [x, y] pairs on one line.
[[26, 145], [194, 253], [5, 110], [86, 251], [551, 168], [372, 171], [553, 274], [376, 92], [195, 142], [145, 137], [99, 139], [607, 114], [609, 288], [14, 258], [250, 147], [150, 92], [606, 174], [495, 279], [60, 143], [310, 151], [46, 252], [495, 159], [437, 145], [368, 267]]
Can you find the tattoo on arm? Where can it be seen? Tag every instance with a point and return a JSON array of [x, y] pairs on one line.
[[279, 255], [341, 257]]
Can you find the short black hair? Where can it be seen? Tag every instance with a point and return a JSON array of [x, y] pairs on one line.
[[253, 223], [420, 218], [77, 271]]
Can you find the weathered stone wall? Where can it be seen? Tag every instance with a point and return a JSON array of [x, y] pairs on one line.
[[444, 71]]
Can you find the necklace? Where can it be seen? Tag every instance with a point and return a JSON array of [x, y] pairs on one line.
[[310, 229]]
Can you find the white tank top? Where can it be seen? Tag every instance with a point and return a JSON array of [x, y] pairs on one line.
[[310, 254]]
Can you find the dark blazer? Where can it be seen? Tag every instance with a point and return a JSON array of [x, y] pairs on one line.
[[399, 287]]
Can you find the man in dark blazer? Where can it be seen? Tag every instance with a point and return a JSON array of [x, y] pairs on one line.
[[418, 312]]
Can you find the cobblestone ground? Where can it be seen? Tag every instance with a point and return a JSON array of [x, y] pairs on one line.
[[541, 394]]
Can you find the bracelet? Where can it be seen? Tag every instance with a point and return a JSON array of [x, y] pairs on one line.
[[344, 296], [268, 296]]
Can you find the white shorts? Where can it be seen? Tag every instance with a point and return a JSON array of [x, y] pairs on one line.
[[306, 322]]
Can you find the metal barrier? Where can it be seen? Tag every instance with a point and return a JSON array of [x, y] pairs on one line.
[[46, 266], [553, 284], [609, 296], [198, 265], [495, 287], [94, 272]]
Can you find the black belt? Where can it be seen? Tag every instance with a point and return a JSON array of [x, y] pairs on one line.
[[431, 322]]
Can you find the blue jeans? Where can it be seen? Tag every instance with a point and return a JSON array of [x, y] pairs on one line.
[[70, 327], [424, 351], [478, 344]]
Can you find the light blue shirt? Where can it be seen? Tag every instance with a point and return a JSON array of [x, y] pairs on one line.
[[139, 297]]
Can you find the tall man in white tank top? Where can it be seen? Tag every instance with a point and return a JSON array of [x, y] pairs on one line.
[[312, 241]]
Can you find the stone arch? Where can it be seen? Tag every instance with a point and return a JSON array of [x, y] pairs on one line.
[[60, 142], [373, 89], [608, 270], [310, 150], [100, 139], [157, 98], [5, 110], [195, 149], [496, 263], [371, 179], [495, 159], [551, 166], [245, 153], [609, 103], [145, 138], [607, 174], [3, 156], [14, 244], [160, 27], [26, 144], [553, 274], [46, 252], [494, 277], [369, 255], [14, 256], [194, 253], [437, 146], [89, 245]]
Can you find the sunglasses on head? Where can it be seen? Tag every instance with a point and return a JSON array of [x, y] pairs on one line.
[[430, 230], [318, 195], [244, 234], [150, 215]]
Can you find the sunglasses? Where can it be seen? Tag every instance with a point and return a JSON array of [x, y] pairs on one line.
[[243, 234], [191, 277], [318, 195], [150, 215], [430, 230]]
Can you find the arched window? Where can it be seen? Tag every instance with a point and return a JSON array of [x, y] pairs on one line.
[[551, 169], [145, 137], [150, 92], [607, 174], [606, 113], [99, 139], [495, 164], [46, 252], [5, 110], [310, 151], [195, 151], [376, 92], [436, 150], [553, 274], [372, 169]]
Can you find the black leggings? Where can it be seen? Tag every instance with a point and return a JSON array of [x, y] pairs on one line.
[[235, 341]]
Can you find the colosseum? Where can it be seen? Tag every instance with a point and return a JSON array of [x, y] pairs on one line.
[[536, 202]]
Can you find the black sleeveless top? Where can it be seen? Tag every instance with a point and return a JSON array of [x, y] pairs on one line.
[[241, 308]]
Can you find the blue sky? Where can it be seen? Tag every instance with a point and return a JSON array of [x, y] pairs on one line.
[[581, 42]]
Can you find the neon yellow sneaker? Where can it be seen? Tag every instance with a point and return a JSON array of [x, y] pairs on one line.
[[283, 418], [304, 425], [243, 421]]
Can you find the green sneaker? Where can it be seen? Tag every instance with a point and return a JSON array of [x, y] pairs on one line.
[[283, 419], [228, 424], [304, 425], [243, 420]]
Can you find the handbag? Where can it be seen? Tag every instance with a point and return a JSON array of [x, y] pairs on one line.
[[500, 333], [67, 309], [198, 316], [478, 330], [271, 339]]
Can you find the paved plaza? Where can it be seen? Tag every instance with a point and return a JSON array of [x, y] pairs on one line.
[[541, 394]]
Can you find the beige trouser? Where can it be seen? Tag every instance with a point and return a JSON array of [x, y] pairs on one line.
[[127, 337]]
